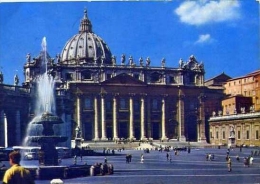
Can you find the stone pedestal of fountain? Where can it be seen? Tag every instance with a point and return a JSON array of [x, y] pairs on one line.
[[49, 167]]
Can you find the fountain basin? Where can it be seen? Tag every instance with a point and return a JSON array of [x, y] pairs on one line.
[[43, 139], [47, 117]]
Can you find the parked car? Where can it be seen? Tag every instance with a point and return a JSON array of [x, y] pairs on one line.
[[4, 153], [28, 153], [63, 152]]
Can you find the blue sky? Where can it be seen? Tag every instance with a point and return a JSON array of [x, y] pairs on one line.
[[224, 35]]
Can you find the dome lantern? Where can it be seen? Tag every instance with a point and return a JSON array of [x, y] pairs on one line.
[[85, 25]]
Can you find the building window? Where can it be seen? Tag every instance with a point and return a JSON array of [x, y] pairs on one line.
[[192, 78], [109, 76], [69, 76], [223, 135], [108, 105], [136, 106], [87, 103], [217, 135], [123, 103], [155, 104], [156, 77], [247, 134], [136, 76], [86, 76], [238, 134], [256, 135], [172, 80]]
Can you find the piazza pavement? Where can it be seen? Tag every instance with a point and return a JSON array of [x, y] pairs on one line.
[[184, 168]]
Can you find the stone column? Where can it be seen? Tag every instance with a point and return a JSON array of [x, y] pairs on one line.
[[115, 130], [163, 120], [5, 130], [148, 110], [2, 133], [103, 118], [181, 108], [131, 118], [18, 128], [201, 124], [96, 132], [79, 123], [142, 119]]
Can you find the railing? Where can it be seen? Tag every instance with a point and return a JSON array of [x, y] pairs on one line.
[[236, 116]]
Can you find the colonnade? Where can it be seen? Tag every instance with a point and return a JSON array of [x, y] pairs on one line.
[[100, 121]]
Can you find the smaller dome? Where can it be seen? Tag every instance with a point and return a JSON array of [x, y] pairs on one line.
[[86, 47]]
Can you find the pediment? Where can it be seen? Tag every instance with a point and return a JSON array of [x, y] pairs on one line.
[[125, 80]]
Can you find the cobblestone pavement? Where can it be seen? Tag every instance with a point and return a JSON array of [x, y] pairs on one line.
[[186, 168]]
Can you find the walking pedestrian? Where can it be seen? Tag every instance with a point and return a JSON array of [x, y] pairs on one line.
[[251, 160], [75, 160], [142, 158], [17, 174], [167, 156], [237, 158], [229, 164], [127, 158]]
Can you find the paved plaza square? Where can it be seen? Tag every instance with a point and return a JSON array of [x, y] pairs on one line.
[[191, 168]]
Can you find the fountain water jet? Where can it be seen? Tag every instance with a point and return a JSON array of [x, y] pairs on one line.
[[45, 118]]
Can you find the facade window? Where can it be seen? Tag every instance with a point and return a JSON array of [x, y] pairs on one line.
[[156, 77], [192, 78], [211, 135], [136, 106], [238, 134], [108, 105], [123, 103], [257, 134], [87, 103], [217, 135], [86, 75], [172, 80], [223, 135], [69, 76], [136, 76], [155, 105], [247, 134], [109, 76]]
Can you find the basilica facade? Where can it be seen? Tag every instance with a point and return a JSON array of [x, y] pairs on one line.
[[114, 99]]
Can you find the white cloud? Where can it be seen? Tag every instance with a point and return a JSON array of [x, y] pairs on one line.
[[204, 38], [207, 11]]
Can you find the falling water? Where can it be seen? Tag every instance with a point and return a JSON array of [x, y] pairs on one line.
[[45, 99]]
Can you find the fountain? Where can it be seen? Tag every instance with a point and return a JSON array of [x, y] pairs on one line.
[[42, 130], [45, 118], [48, 154]]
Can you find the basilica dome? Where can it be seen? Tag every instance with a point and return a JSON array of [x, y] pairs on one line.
[[86, 47]]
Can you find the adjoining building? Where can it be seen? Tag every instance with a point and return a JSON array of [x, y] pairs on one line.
[[238, 122], [109, 99]]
